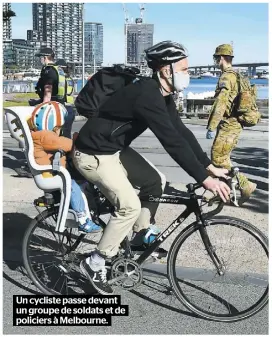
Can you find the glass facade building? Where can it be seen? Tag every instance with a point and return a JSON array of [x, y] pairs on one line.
[[93, 44], [139, 36]]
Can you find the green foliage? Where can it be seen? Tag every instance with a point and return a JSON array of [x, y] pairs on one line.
[[8, 104], [8, 14]]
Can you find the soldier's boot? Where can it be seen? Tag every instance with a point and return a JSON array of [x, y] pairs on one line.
[[247, 188]]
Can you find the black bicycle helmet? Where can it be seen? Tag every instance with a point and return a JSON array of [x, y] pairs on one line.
[[163, 53]]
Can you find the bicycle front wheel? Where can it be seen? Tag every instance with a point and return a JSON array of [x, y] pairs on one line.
[[242, 289]]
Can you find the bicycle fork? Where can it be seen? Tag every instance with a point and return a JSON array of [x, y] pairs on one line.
[[211, 249]]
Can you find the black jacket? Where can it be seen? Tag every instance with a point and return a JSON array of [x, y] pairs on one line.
[[129, 112], [48, 76]]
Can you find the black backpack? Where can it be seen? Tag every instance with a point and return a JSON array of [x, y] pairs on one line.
[[101, 86]]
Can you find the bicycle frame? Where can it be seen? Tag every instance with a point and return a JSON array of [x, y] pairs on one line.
[[192, 207]]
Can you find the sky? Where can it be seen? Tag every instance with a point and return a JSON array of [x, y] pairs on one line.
[[199, 26]]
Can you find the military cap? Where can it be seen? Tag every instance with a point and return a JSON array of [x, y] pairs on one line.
[[224, 49]]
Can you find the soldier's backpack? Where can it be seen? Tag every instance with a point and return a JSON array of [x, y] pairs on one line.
[[247, 110], [101, 86]]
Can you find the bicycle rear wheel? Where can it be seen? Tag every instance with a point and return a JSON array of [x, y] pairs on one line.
[[50, 259], [241, 291]]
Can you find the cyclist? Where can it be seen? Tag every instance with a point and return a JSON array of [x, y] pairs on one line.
[[45, 123], [103, 156]]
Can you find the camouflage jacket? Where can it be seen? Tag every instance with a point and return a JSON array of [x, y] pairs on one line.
[[225, 93]]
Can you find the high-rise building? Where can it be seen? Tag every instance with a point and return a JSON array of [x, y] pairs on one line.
[[60, 26], [18, 52], [93, 44], [6, 22], [139, 36], [33, 35], [39, 19], [34, 39]]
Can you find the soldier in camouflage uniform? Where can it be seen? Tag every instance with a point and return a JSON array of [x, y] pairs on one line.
[[223, 121]]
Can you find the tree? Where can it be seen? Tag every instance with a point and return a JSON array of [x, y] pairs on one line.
[[8, 14]]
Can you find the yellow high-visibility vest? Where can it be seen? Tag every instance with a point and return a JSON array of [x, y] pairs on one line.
[[70, 90]]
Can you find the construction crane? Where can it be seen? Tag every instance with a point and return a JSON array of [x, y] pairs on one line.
[[142, 10], [126, 14], [126, 23]]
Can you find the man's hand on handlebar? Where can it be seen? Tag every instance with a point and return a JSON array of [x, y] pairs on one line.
[[217, 187], [218, 172]]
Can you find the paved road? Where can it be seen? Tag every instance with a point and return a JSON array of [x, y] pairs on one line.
[[152, 310]]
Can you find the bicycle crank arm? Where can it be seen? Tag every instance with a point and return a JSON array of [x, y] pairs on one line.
[[119, 278]]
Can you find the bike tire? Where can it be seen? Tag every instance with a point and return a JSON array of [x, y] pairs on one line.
[[178, 245], [36, 223]]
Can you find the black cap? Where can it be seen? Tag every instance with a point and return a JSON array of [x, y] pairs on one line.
[[61, 63], [46, 51]]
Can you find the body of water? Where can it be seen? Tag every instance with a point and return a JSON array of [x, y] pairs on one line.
[[196, 86], [208, 84]]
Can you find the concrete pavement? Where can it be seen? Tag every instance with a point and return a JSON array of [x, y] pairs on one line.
[[152, 310]]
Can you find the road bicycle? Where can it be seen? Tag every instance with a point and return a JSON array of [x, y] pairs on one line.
[[217, 266]]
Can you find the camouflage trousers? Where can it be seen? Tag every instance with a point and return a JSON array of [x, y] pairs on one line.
[[226, 139]]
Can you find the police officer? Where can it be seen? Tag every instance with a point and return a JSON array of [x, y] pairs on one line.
[[223, 123], [52, 84], [69, 98]]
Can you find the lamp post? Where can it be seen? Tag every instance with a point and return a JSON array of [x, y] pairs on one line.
[[83, 48], [94, 46]]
